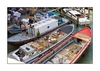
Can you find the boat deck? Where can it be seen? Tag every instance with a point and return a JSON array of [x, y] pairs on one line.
[[43, 43], [33, 48], [67, 54], [75, 17], [23, 36], [20, 36]]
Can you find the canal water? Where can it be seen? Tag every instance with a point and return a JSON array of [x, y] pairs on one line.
[[86, 58]]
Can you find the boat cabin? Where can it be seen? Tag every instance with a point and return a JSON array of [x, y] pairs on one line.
[[25, 52], [43, 26]]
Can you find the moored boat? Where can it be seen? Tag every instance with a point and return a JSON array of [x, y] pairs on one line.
[[75, 16], [14, 29], [44, 26], [10, 60], [82, 20], [34, 49], [69, 50]]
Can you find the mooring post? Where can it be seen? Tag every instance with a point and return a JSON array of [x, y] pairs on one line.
[[84, 12], [88, 12], [77, 22]]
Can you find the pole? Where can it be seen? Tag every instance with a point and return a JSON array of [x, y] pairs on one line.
[[77, 22], [88, 12], [84, 12]]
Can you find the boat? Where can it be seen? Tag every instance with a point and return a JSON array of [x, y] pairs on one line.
[[14, 29], [78, 16], [30, 51], [75, 16], [69, 50], [11, 61], [44, 26]]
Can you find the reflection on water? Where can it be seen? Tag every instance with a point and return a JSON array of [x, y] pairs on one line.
[[86, 58]]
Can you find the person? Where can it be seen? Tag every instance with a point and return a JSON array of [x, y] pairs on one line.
[[9, 11], [59, 31], [13, 9], [38, 34], [16, 20], [20, 23], [30, 19], [32, 30], [27, 9], [23, 28], [17, 8], [8, 19], [21, 59], [47, 37], [11, 18]]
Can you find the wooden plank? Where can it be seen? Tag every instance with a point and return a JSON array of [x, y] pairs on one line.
[[82, 36]]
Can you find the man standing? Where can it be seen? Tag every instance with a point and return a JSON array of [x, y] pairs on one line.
[[38, 34]]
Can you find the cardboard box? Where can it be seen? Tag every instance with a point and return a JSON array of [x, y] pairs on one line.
[[30, 43], [40, 48], [62, 52]]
